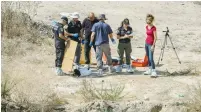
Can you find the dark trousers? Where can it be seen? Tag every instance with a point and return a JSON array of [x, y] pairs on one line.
[[87, 50], [60, 49], [150, 54], [77, 53], [127, 48]]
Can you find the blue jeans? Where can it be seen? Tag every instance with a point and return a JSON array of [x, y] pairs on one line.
[[150, 54]]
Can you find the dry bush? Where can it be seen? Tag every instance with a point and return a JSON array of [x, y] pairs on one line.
[[17, 22], [107, 92], [15, 18], [195, 100]]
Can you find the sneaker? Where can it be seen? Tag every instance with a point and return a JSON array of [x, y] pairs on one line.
[[59, 71], [148, 72], [129, 69], [118, 68], [100, 72], [154, 74]]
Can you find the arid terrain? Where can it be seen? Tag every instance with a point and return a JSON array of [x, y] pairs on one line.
[[32, 65]]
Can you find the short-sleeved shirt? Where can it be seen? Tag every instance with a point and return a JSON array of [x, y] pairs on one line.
[[122, 32], [87, 26], [102, 30], [150, 35], [59, 30]]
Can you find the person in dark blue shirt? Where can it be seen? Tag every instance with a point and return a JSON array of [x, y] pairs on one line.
[[61, 36], [100, 32]]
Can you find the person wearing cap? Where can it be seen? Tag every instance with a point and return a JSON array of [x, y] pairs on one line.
[[60, 36], [124, 34], [100, 32], [75, 26], [86, 31]]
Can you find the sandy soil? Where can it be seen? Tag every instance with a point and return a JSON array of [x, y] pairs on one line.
[[36, 67]]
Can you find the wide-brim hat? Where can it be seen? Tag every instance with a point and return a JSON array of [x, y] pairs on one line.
[[102, 16]]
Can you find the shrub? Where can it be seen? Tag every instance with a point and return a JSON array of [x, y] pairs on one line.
[[89, 92]]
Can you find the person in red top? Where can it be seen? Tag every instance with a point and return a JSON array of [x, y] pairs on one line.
[[150, 45]]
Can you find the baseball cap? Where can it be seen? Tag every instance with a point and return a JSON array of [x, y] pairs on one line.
[[64, 18]]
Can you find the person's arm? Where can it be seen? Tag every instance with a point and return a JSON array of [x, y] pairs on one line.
[[66, 33], [93, 33], [82, 30], [122, 37], [61, 33], [92, 36], [155, 38], [110, 32]]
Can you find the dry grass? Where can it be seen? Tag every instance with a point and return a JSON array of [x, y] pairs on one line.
[[195, 99], [110, 92], [7, 85], [55, 100]]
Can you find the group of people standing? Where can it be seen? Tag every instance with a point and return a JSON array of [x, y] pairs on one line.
[[94, 32]]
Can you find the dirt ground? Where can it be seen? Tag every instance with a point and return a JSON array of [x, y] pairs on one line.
[[36, 66]]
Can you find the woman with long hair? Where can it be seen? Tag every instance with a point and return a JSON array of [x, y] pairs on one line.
[[150, 43]]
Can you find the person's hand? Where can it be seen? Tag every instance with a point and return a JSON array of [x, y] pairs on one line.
[[83, 41], [75, 35], [113, 41], [91, 44], [152, 48], [67, 39], [126, 36]]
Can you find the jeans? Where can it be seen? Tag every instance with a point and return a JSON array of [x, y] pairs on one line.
[[103, 48], [150, 54], [127, 48]]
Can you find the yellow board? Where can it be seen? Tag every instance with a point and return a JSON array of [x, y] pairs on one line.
[[69, 55], [82, 57]]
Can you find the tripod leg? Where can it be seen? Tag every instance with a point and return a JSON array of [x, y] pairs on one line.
[[162, 51], [174, 49], [165, 42]]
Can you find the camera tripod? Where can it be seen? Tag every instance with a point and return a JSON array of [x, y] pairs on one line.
[[163, 47]]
